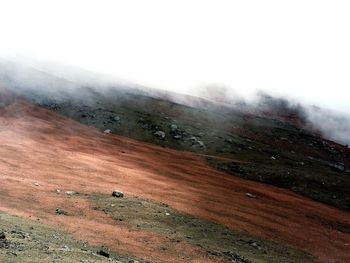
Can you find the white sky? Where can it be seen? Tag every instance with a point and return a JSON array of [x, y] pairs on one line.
[[300, 48]]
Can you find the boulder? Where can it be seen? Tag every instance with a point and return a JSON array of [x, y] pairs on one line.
[[173, 128], [60, 211], [114, 118], [250, 195], [70, 192], [160, 134], [103, 253], [196, 143], [118, 194]]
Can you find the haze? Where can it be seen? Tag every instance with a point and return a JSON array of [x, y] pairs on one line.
[[294, 48]]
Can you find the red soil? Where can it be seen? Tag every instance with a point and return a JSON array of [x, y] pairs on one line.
[[40, 146]]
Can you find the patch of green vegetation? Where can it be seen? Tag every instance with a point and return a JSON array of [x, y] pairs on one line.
[[314, 181], [26, 241], [219, 241]]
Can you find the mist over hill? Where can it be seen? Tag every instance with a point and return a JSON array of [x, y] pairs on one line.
[[59, 83], [266, 164]]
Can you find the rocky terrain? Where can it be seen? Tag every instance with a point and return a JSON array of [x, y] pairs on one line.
[[271, 144], [119, 175]]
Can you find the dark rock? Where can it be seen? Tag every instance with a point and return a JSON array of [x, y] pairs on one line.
[[117, 194], [103, 253], [11, 253], [196, 143], [235, 168], [114, 118], [173, 128], [3, 241], [236, 258], [339, 167], [60, 211], [160, 134]]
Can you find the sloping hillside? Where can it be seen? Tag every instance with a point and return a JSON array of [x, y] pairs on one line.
[[270, 143], [184, 204]]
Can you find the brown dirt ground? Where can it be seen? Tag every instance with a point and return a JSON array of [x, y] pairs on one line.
[[39, 146]]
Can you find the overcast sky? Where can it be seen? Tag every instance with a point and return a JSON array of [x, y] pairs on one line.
[[300, 48]]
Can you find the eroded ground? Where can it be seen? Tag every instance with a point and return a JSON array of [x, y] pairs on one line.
[[42, 152], [27, 241]]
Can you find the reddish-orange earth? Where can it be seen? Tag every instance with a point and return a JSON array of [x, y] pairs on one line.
[[41, 151]]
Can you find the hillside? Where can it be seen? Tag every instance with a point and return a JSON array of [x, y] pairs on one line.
[[270, 143], [176, 207]]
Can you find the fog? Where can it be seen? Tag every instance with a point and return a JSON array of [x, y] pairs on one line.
[[222, 50], [57, 82], [298, 48]]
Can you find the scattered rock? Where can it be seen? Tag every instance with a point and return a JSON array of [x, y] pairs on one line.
[[196, 143], [36, 184], [235, 168], [114, 118], [250, 195], [273, 158], [58, 191], [167, 214], [236, 258], [199, 144], [193, 138], [103, 253], [117, 194], [255, 244], [65, 248], [107, 131], [177, 137], [173, 128], [19, 234], [70, 193], [229, 140], [340, 167], [60, 211], [11, 253], [160, 134]]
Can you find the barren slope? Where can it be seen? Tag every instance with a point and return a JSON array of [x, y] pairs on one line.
[[41, 151]]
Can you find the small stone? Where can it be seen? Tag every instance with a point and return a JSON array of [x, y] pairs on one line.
[[250, 195], [65, 248], [117, 194], [160, 134], [70, 192], [36, 184], [167, 214], [115, 118], [58, 191], [60, 211], [11, 253], [107, 131], [173, 127], [273, 158], [103, 253]]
